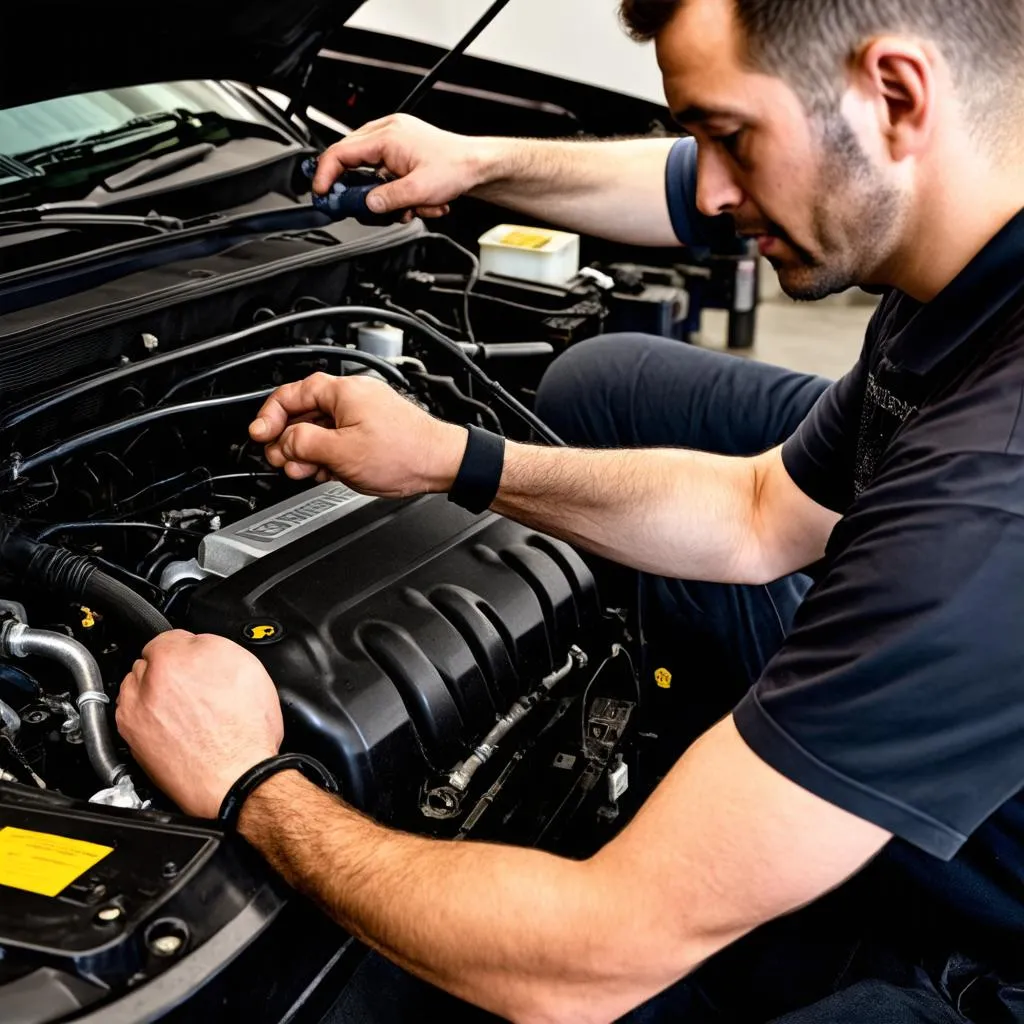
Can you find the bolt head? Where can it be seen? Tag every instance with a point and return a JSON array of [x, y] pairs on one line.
[[109, 914], [166, 945]]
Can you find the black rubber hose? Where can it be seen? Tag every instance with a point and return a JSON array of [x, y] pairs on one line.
[[109, 593], [74, 576]]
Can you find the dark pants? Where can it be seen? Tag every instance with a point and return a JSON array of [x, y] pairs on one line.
[[814, 967]]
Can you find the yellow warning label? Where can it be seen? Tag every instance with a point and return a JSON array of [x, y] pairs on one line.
[[43, 863], [527, 239], [663, 678]]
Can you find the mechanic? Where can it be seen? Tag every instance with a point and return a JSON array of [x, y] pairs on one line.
[[848, 843]]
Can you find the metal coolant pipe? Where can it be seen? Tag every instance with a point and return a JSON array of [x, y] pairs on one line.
[[20, 641], [460, 778]]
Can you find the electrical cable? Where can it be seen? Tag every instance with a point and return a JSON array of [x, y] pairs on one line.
[[474, 276], [385, 369], [17, 469], [483, 297], [111, 524], [447, 384], [398, 319], [431, 319]]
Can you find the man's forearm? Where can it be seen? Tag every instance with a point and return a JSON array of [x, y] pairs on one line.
[[611, 189], [431, 906], [690, 515]]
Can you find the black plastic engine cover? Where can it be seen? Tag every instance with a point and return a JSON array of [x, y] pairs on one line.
[[399, 632]]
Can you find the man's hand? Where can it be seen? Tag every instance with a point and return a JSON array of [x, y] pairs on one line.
[[359, 431], [197, 712], [432, 167]]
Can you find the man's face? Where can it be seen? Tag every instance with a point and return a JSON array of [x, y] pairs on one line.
[[823, 214]]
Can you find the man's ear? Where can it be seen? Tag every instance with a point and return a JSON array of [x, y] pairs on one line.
[[897, 79]]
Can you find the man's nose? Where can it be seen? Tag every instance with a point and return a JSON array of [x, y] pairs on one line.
[[717, 190]]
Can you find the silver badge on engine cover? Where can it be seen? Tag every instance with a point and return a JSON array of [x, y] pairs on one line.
[[228, 550]]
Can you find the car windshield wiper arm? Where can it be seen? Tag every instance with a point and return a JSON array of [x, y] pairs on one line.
[[34, 217], [149, 168], [74, 148]]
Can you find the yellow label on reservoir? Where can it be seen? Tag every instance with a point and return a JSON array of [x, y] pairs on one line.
[[663, 678], [43, 863], [527, 239]]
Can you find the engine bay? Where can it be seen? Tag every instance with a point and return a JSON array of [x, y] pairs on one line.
[[459, 674]]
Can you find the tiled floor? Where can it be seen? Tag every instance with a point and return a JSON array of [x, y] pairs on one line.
[[817, 337]]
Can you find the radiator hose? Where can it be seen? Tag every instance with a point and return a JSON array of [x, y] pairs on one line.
[[73, 576]]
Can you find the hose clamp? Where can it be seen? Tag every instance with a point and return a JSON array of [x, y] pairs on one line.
[[92, 697], [10, 638]]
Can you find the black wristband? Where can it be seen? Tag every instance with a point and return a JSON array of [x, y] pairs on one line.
[[231, 805], [479, 476]]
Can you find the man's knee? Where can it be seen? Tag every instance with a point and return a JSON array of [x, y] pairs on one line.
[[587, 395]]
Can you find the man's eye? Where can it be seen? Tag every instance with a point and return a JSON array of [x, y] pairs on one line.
[[730, 143]]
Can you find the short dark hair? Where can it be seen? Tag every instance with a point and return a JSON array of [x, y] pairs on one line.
[[809, 42]]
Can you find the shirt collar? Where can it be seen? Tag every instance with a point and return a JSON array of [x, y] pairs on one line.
[[923, 335]]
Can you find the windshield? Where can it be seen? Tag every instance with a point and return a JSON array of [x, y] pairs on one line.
[[60, 148], [67, 118]]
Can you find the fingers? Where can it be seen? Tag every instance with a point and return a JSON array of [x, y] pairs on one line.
[[163, 643], [433, 211], [315, 394], [355, 150], [403, 193], [305, 448]]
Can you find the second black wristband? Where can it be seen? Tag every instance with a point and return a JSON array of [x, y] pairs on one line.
[[479, 476]]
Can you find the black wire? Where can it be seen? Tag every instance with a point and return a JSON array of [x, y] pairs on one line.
[[404, 319], [385, 369], [436, 321], [150, 487], [470, 282], [74, 444], [103, 525], [449, 385], [560, 311], [426, 83]]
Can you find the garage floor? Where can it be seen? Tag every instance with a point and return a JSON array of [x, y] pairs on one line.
[[814, 337]]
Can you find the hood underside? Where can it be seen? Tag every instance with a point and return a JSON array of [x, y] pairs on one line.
[[61, 47]]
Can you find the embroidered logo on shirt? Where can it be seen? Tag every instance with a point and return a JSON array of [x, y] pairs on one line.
[[882, 414]]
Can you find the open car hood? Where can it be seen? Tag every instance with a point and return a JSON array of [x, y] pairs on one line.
[[61, 47]]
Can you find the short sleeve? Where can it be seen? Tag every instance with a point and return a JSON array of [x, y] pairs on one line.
[[899, 693], [691, 227], [819, 457]]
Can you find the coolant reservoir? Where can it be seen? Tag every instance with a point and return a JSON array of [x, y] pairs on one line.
[[530, 254]]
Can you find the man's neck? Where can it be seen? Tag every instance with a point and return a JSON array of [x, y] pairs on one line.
[[954, 222]]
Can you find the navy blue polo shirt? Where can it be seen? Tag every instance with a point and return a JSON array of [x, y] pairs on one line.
[[899, 694]]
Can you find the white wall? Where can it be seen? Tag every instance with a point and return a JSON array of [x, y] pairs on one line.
[[578, 39]]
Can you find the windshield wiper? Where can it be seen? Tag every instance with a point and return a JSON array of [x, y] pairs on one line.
[[81, 215], [87, 145]]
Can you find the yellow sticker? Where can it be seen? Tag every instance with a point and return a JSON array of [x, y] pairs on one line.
[[663, 678], [43, 863], [527, 239]]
